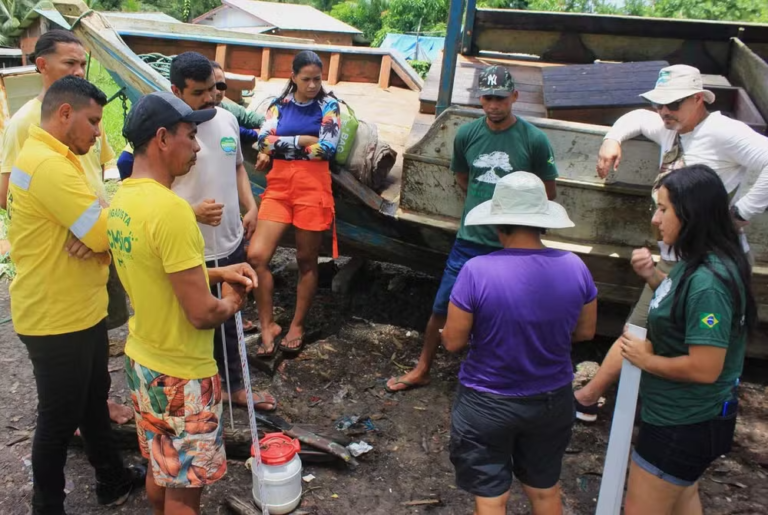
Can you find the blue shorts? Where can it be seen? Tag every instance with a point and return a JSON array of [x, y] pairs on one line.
[[461, 252]]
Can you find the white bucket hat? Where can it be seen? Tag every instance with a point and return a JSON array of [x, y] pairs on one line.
[[676, 83], [520, 199]]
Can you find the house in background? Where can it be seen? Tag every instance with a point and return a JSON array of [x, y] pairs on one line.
[[289, 20], [49, 19]]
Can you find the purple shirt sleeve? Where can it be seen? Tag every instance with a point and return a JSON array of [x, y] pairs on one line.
[[463, 293], [590, 290]]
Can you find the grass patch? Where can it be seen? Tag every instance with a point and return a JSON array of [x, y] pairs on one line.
[[113, 117]]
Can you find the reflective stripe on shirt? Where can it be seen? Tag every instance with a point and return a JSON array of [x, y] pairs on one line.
[[20, 179], [87, 220]]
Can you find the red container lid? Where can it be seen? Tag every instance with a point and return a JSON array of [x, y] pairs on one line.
[[277, 448]]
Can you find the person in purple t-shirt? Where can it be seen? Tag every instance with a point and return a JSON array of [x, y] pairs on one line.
[[518, 309]]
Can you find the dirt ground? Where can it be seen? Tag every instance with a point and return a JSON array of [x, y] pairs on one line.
[[361, 339]]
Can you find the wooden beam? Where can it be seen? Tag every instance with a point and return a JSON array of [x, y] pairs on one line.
[[266, 64], [333, 70], [221, 55], [403, 74], [385, 72]]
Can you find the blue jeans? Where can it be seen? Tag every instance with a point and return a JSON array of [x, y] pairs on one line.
[[461, 252]]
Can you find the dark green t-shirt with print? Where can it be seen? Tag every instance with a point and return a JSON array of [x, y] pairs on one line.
[[705, 316], [487, 156]]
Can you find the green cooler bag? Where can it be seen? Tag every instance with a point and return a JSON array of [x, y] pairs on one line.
[[349, 125]]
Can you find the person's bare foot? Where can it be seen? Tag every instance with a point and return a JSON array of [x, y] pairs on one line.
[[119, 413], [267, 347], [262, 401], [412, 379]]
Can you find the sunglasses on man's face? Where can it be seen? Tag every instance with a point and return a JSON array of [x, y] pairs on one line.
[[221, 86], [672, 106]]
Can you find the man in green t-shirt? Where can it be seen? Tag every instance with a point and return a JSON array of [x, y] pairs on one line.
[[484, 151]]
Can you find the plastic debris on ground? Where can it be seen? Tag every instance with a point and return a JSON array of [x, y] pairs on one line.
[[354, 425], [308, 478], [359, 448]]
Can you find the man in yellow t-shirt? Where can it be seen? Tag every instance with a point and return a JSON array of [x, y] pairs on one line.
[[59, 298], [160, 256], [58, 53]]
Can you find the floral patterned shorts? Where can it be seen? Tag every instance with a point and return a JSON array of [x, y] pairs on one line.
[[178, 422]]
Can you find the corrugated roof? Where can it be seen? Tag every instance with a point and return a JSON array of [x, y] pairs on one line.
[[253, 30], [151, 16], [292, 16]]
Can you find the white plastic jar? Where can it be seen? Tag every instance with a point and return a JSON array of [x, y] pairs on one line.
[[281, 466]]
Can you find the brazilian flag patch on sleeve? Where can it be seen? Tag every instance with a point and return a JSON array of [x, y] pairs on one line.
[[708, 320]]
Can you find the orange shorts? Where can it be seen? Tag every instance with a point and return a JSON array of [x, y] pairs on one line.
[[299, 193]]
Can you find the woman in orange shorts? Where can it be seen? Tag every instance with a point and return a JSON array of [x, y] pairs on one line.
[[300, 136]]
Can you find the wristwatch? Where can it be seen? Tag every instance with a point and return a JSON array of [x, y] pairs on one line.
[[735, 213]]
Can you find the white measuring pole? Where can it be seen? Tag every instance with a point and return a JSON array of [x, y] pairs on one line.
[[224, 338], [257, 466], [620, 441]]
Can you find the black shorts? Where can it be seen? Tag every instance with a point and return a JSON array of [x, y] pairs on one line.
[[681, 454], [495, 437]]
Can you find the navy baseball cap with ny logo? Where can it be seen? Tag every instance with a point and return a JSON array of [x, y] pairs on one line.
[[495, 81]]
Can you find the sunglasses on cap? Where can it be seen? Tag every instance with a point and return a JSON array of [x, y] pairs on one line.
[[221, 86], [672, 106]]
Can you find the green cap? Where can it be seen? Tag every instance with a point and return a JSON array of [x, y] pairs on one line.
[[496, 81]]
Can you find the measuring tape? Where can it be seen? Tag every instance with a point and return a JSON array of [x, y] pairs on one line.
[[257, 465]]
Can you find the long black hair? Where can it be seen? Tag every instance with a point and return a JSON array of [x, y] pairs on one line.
[[300, 60], [701, 203]]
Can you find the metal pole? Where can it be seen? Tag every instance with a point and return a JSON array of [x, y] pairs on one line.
[[450, 52], [224, 339]]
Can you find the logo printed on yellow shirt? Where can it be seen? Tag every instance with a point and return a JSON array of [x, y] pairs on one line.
[[708, 320], [228, 145]]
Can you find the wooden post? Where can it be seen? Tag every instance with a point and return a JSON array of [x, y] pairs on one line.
[[333, 71], [385, 72], [266, 64], [221, 55]]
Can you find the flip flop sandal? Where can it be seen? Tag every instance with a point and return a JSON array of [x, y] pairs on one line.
[[260, 399], [408, 385], [293, 350], [270, 354]]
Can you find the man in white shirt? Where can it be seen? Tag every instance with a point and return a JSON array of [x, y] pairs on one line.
[[218, 187], [688, 134]]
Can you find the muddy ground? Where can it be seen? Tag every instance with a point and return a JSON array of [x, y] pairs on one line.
[[361, 339]]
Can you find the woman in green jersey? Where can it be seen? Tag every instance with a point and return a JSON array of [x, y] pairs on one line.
[[698, 324]]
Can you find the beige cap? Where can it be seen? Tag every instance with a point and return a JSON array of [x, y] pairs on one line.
[[677, 82]]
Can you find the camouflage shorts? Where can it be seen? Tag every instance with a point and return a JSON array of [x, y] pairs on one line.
[[178, 422]]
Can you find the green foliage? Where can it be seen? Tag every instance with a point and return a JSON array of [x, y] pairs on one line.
[[15, 16], [362, 14], [735, 10], [421, 67], [403, 16], [112, 119]]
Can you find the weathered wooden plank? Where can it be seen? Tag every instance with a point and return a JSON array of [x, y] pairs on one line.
[[749, 71], [221, 55], [360, 68], [385, 71], [599, 85], [266, 64], [618, 25], [333, 69]]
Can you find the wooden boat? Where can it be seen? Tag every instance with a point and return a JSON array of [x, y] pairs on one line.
[[413, 222]]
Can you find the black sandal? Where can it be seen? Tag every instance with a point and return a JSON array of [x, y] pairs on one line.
[[293, 350], [267, 354]]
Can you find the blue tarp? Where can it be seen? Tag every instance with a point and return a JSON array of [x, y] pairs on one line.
[[428, 48]]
